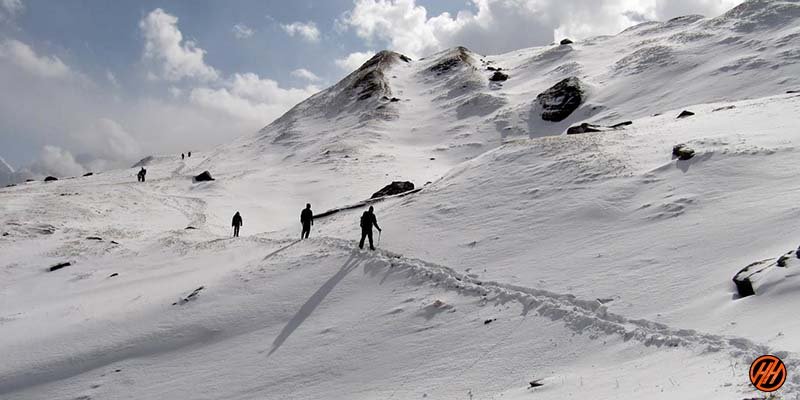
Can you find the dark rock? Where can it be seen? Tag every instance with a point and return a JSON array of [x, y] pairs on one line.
[[536, 383], [50, 179], [394, 100], [29, 180], [792, 91], [59, 266], [685, 114], [782, 260], [682, 152], [498, 77], [94, 238], [582, 128], [393, 188], [113, 275], [490, 68], [113, 242], [405, 58], [489, 321], [621, 124], [190, 297], [433, 158], [190, 228], [88, 174], [459, 57], [566, 42], [723, 108], [11, 185], [744, 285], [561, 100], [6, 233], [204, 177]]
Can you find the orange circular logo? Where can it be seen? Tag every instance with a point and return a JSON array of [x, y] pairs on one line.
[[767, 373]]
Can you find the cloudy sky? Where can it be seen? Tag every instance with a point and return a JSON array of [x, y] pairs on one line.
[[97, 84]]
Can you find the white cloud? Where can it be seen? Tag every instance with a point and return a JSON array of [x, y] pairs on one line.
[[306, 30], [176, 58], [251, 97], [57, 162], [496, 26], [105, 140], [353, 60], [242, 31], [9, 9], [305, 74], [21, 55]]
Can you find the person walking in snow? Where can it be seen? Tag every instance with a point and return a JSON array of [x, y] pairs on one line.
[[236, 223], [368, 220], [142, 174], [307, 220], [183, 156]]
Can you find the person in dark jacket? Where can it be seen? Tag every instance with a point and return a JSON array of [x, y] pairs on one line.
[[368, 220], [307, 220], [142, 174], [237, 222], [183, 156]]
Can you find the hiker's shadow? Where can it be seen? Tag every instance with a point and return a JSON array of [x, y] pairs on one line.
[[314, 301]]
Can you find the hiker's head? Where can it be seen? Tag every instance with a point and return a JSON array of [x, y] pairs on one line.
[[371, 209], [308, 205]]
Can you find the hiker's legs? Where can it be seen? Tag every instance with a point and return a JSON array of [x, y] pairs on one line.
[[369, 234], [363, 236], [235, 231], [306, 232]]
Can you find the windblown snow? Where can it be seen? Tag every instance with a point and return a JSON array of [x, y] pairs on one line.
[[595, 264]]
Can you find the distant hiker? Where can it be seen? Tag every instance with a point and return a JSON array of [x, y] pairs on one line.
[[189, 154], [236, 223], [307, 219], [182, 156], [141, 174], [367, 221]]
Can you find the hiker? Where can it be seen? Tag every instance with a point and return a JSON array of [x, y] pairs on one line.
[[189, 154], [236, 223], [307, 219], [367, 221], [142, 174], [182, 156]]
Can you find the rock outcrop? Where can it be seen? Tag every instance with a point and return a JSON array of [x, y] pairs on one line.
[[561, 100], [204, 177], [393, 188]]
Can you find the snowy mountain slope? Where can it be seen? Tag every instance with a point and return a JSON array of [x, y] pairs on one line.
[[280, 319], [595, 262], [447, 105]]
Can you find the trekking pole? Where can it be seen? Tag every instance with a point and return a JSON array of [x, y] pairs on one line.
[[379, 237]]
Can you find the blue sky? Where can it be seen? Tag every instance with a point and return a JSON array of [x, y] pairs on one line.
[[95, 84]]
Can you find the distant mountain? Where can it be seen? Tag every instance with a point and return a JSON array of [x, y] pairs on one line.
[[447, 104]]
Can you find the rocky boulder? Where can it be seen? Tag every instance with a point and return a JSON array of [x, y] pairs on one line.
[[566, 42], [685, 114], [499, 77], [393, 188], [50, 179], [561, 100], [204, 177], [682, 152], [583, 128]]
